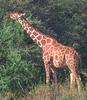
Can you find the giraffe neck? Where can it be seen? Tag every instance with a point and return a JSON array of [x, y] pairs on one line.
[[36, 36]]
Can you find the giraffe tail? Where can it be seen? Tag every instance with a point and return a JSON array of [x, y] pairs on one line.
[[82, 70], [83, 73]]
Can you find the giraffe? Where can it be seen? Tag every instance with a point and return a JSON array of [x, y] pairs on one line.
[[55, 54]]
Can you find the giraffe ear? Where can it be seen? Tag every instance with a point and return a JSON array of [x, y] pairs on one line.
[[22, 14]]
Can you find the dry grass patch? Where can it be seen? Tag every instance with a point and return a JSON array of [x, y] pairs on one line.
[[56, 92]]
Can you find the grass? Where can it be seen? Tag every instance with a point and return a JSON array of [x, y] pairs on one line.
[[57, 92], [53, 92]]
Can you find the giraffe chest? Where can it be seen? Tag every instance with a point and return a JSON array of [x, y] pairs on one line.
[[59, 60]]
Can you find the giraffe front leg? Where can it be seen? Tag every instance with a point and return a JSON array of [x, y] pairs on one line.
[[54, 74], [47, 72], [55, 77]]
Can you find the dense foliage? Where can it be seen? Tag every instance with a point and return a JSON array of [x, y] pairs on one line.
[[21, 65]]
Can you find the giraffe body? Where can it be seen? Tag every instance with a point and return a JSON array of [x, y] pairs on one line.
[[55, 55], [60, 56]]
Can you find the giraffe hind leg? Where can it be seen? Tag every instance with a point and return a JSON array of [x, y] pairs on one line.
[[72, 81], [76, 78], [78, 81]]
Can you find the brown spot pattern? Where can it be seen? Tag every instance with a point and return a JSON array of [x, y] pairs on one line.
[[39, 37], [43, 42]]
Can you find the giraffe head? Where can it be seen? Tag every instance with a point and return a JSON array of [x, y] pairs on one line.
[[16, 15]]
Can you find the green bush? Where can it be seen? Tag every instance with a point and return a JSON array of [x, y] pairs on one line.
[[21, 65]]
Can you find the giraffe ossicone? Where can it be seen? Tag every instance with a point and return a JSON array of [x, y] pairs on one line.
[[55, 54]]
